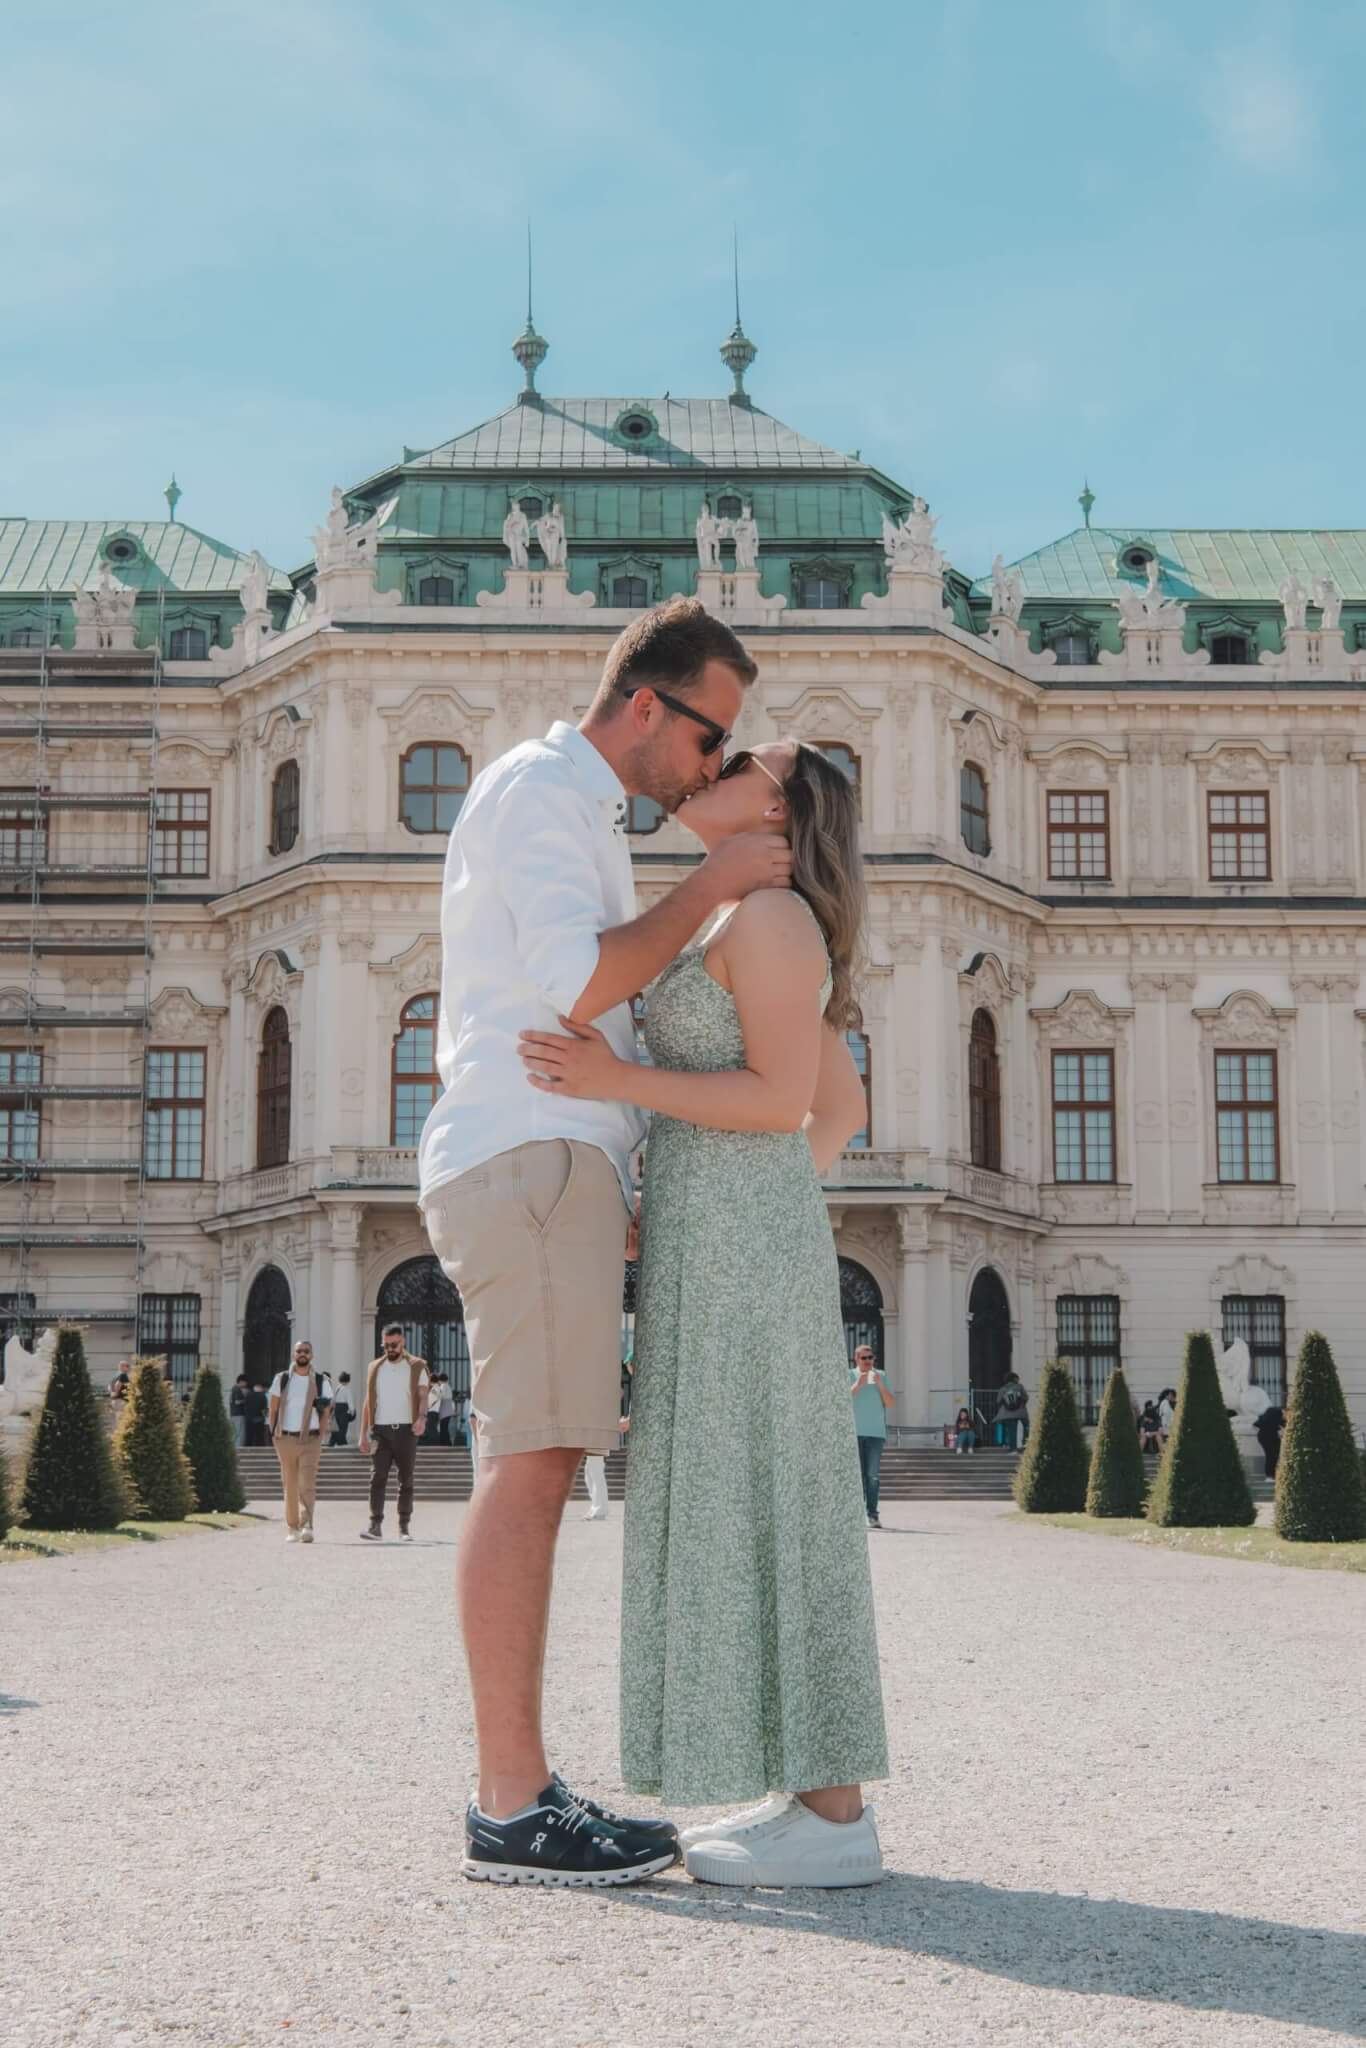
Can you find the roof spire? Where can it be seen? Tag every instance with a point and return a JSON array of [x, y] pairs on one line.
[[737, 350], [530, 348], [1086, 501], [173, 495]]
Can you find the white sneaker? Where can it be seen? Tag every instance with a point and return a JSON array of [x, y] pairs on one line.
[[404, 1537], [792, 1847], [291, 1535], [306, 1533], [596, 1515], [731, 1825]]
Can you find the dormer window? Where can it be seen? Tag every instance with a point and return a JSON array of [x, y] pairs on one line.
[[629, 592], [120, 549], [533, 507], [1136, 558], [1231, 650], [189, 643], [1072, 645], [436, 590], [636, 425]]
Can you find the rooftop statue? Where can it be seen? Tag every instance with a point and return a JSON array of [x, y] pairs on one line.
[[340, 546], [1294, 600], [254, 585], [516, 535], [745, 533], [1007, 591], [708, 531], [910, 545], [550, 532], [1329, 600], [1153, 583], [101, 609]]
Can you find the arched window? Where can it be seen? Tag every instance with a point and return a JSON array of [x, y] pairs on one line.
[[272, 1091], [861, 1308], [415, 1083], [189, 643], [857, 1042], [819, 594], [436, 590], [418, 1295], [284, 807], [1234, 650], [643, 815], [729, 506], [629, 592], [972, 809], [984, 1093], [844, 758], [433, 782], [265, 1329], [533, 507]]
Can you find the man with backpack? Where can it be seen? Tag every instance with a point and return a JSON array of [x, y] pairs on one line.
[[393, 1417], [1012, 1412]]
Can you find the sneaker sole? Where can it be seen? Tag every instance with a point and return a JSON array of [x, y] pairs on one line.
[[524, 1873], [856, 1870]]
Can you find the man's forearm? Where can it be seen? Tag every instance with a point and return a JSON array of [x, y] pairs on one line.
[[631, 955]]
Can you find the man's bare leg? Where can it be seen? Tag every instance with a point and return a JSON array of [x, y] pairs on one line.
[[503, 1579]]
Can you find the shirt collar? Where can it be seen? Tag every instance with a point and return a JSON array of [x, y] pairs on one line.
[[599, 774]]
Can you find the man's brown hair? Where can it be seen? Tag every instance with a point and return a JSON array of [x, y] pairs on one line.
[[669, 647]]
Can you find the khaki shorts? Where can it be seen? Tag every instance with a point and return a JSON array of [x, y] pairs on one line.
[[535, 1239]]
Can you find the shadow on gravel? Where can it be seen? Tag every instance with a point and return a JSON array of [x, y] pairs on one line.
[[9, 1704], [1207, 1962]]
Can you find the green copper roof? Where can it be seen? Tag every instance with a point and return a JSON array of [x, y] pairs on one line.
[[582, 433], [65, 555], [1220, 565]]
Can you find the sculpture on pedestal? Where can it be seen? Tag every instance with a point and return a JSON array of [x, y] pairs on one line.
[[1007, 591], [336, 545], [910, 545], [517, 535], [254, 585], [550, 532], [102, 611], [1241, 1395], [745, 533], [1328, 598], [708, 531], [1294, 601], [26, 1377]]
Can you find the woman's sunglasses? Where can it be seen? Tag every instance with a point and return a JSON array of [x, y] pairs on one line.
[[741, 759], [716, 734]]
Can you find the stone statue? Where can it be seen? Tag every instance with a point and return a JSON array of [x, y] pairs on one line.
[[911, 544], [1328, 598], [745, 532], [1152, 590], [26, 1377], [516, 535], [1235, 1380], [1294, 600], [1133, 609], [329, 540], [1007, 591], [708, 531], [101, 611], [254, 585], [550, 532]]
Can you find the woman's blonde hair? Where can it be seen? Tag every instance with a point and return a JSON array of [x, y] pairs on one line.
[[827, 870]]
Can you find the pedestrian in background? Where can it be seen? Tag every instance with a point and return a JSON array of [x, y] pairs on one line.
[[393, 1418], [300, 1408], [868, 1385]]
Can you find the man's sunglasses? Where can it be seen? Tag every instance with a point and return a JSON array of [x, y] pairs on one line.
[[716, 734]]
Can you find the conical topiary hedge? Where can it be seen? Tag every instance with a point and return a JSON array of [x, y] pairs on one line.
[[1201, 1482], [1320, 1497], [147, 1449], [210, 1449], [1051, 1476], [1118, 1483], [71, 1481]]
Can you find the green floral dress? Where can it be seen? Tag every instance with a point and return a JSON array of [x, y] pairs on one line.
[[749, 1649]]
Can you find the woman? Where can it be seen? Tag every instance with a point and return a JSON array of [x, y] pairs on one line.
[[965, 1435], [749, 1654], [1151, 1435]]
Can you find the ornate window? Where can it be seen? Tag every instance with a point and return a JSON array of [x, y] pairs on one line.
[[973, 817], [433, 782], [21, 1117], [168, 1327], [1084, 1116], [273, 1069], [1231, 641], [436, 580], [181, 833], [1239, 836], [630, 593], [643, 815], [630, 582], [1072, 644], [729, 506], [1136, 558], [23, 831], [188, 643], [1079, 835], [1245, 1114], [532, 506], [1088, 1344], [173, 1114], [414, 1081], [436, 590], [822, 584], [844, 758], [284, 807], [984, 1093], [857, 1042], [1259, 1319]]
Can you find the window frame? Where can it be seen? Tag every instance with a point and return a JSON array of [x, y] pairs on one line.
[[274, 1091], [435, 577], [415, 1075], [1278, 1386], [984, 1097], [1077, 830], [1088, 1384], [23, 817], [1236, 831], [283, 818], [1244, 660], [17, 1103], [830, 748], [862, 1140], [170, 834], [435, 789], [629, 604], [819, 579], [1083, 1106], [967, 810], [175, 1105], [167, 1346], [1244, 1107], [182, 633]]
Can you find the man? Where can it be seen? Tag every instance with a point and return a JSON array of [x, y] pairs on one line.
[[526, 1199], [871, 1401], [300, 1404], [341, 1412], [1012, 1412], [393, 1417], [237, 1409]]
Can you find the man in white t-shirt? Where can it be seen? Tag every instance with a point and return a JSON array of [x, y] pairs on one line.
[[300, 1406], [392, 1421]]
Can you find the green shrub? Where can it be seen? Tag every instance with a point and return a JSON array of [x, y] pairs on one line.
[[1319, 1493], [1201, 1482], [1051, 1476], [210, 1448], [71, 1481], [1118, 1484], [148, 1451]]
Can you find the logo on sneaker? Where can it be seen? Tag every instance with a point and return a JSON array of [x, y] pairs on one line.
[[537, 1845]]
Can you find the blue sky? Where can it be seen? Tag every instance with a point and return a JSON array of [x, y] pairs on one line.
[[995, 248]]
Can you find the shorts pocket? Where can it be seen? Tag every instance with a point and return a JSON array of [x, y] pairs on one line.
[[547, 1171]]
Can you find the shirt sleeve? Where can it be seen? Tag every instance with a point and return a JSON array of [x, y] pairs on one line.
[[543, 837]]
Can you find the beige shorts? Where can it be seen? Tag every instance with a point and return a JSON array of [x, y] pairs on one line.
[[535, 1239]]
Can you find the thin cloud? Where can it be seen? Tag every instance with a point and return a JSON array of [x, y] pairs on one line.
[[1260, 112]]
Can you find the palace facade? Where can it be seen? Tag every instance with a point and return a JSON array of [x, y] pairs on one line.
[[1113, 811]]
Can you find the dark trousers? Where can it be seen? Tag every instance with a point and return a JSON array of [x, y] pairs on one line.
[[341, 1422], [395, 1444], [870, 1465]]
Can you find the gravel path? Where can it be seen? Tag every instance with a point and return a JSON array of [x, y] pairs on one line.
[[1129, 1807]]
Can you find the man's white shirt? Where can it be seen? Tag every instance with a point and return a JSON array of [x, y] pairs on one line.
[[293, 1387], [538, 866], [394, 1392]]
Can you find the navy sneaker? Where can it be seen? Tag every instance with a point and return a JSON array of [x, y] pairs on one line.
[[664, 1829], [557, 1840]]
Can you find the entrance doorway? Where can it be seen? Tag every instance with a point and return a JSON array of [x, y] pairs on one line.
[[989, 1347], [861, 1308], [266, 1326]]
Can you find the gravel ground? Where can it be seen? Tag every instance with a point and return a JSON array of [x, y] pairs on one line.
[[1129, 1807]]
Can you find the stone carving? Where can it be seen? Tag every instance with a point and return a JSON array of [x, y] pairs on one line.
[[1328, 598], [26, 1377], [550, 532], [1235, 1379], [254, 585], [1007, 591], [517, 535], [1294, 602], [745, 533], [708, 532], [338, 545], [1153, 584], [104, 614], [910, 545]]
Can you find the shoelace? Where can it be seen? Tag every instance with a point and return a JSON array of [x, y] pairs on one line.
[[571, 1816]]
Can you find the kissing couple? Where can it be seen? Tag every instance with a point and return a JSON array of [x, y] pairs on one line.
[[749, 1663]]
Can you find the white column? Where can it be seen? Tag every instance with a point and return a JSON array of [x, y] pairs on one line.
[[346, 1335]]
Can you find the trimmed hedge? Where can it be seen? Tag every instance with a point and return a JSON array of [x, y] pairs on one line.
[[210, 1449], [1051, 1476], [71, 1481], [1320, 1497], [1201, 1482], [1118, 1484], [148, 1451]]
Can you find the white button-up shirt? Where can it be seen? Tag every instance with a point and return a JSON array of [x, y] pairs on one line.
[[537, 867]]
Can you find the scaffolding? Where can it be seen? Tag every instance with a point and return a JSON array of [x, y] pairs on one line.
[[78, 882]]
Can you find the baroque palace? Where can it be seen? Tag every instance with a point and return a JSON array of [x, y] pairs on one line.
[[1113, 813]]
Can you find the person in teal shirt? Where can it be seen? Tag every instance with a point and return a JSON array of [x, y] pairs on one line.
[[871, 1401]]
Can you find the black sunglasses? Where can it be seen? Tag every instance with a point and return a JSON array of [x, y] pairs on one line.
[[716, 734], [736, 763]]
